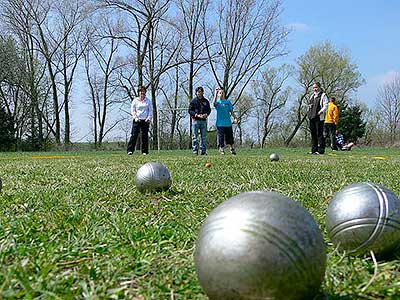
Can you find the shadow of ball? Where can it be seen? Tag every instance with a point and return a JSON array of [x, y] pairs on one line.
[[260, 245], [364, 217], [153, 177]]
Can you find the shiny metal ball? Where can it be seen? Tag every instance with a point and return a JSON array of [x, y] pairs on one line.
[[260, 245], [363, 217], [274, 157], [153, 177]]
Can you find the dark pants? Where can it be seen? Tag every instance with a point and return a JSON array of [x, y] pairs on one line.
[[142, 126], [317, 135], [225, 134], [330, 131]]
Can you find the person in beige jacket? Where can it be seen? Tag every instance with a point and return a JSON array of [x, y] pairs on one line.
[[317, 107]]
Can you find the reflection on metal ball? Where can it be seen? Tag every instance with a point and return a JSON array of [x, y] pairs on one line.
[[153, 177], [260, 245], [274, 157], [363, 217]]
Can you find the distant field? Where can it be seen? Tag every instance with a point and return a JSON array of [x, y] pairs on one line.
[[73, 225]]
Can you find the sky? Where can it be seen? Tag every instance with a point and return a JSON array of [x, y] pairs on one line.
[[368, 29]]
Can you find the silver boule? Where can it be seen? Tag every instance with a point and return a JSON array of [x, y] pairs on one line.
[[274, 157], [363, 217], [260, 245], [153, 177]]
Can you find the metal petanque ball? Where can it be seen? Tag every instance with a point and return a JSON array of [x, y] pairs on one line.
[[363, 217], [153, 177], [274, 157], [260, 245]]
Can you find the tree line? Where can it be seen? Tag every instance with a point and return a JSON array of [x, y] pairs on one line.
[[51, 50]]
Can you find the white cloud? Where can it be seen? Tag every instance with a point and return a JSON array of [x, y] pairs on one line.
[[388, 77], [368, 92], [298, 27]]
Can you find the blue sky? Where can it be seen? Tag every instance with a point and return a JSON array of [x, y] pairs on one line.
[[368, 29]]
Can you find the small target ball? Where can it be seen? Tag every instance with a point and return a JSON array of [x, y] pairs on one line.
[[153, 177], [274, 157], [364, 217], [207, 165], [260, 245]]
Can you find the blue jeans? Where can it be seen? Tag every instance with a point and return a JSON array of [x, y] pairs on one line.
[[199, 126]]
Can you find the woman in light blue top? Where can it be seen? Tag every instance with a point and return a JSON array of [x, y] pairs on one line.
[[224, 109]]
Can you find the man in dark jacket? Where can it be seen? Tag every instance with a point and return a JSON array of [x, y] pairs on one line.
[[199, 110]]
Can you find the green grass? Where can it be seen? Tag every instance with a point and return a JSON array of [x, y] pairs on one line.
[[75, 227]]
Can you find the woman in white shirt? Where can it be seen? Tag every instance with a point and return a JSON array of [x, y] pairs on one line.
[[142, 114]]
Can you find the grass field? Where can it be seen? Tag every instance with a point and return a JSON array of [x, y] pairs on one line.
[[73, 225]]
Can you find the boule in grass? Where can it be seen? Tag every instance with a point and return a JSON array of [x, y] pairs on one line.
[[153, 177], [207, 165], [274, 157], [260, 245], [364, 217]]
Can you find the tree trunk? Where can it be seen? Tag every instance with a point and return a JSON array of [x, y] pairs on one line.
[[296, 128]]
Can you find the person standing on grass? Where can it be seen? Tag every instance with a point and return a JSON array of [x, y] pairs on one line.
[[142, 114], [316, 115], [331, 122], [199, 110], [224, 109]]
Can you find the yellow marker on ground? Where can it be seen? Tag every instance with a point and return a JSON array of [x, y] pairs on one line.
[[53, 156], [381, 157]]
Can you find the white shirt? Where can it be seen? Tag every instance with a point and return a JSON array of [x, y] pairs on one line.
[[142, 110]]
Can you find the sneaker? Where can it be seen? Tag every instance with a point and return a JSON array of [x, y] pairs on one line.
[[233, 152], [316, 153], [144, 154], [130, 152], [203, 153], [221, 151], [195, 153]]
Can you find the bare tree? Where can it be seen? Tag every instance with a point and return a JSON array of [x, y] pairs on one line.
[[32, 98], [388, 101], [248, 37], [71, 16], [271, 96], [102, 64], [193, 14], [193, 18], [140, 16], [47, 44]]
